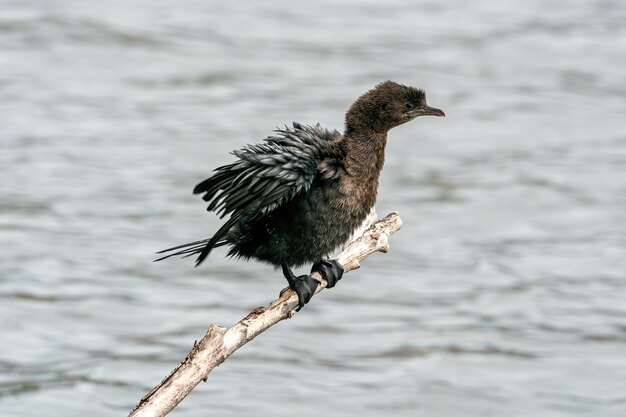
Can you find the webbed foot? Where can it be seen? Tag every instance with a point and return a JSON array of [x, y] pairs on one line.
[[330, 270], [304, 286]]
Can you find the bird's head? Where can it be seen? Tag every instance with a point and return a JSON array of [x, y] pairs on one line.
[[388, 105]]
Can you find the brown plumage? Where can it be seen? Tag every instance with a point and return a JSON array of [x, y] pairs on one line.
[[294, 198]]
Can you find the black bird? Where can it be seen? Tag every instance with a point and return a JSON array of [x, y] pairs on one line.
[[298, 195]]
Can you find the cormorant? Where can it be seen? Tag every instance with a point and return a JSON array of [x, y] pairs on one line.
[[298, 195]]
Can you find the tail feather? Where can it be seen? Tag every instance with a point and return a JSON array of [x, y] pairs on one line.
[[188, 249], [185, 245], [216, 240], [202, 247]]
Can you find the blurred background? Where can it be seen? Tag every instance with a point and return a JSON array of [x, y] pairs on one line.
[[504, 293]]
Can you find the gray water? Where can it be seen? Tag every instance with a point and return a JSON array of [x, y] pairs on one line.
[[503, 295]]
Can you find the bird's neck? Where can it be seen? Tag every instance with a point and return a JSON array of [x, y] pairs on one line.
[[365, 154]]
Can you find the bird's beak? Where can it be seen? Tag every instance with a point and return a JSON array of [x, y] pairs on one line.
[[428, 111]]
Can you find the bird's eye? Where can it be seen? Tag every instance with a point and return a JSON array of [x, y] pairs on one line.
[[408, 106]]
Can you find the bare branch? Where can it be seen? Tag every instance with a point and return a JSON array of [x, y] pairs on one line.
[[219, 343]]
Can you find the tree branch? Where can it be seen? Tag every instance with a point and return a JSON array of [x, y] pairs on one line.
[[219, 342]]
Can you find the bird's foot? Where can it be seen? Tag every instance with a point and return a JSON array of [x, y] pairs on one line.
[[330, 270], [304, 286]]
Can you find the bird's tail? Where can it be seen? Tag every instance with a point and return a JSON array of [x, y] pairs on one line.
[[186, 250], [202, 247]]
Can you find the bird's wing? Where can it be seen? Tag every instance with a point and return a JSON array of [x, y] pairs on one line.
[[265, 176]]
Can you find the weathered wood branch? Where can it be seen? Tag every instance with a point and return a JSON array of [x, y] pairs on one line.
[[219, 342]]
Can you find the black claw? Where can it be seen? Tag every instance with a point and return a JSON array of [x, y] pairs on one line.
[[330, 269], [304, 286]]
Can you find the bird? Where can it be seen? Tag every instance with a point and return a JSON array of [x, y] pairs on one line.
[[295, 197]]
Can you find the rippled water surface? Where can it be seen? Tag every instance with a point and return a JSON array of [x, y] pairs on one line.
[[503, 295]]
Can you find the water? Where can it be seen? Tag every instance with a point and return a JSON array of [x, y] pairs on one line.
[[504, 293]]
